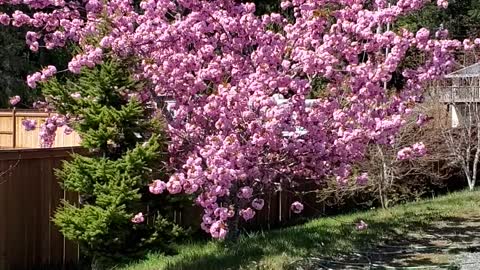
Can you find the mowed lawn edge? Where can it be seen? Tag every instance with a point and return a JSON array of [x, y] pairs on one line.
[[326, 236]]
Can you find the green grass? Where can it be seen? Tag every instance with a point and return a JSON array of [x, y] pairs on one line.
[[277, 249]]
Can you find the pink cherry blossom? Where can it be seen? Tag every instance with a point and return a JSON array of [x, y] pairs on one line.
[[222, 213], [14, 100], [362, 179], [442, 3], [247, 214], [218, 230], [258, 204], [405, 153], [33, 79], [174, 187], [68, 130], [4, 19], [361, 225], [29, 124], [157, 187], [419, 149], [422, 119], [138, 218], [296, 207], [46, 73], [245, 193]]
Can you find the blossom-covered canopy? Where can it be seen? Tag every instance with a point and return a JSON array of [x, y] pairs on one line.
[[223, 65]]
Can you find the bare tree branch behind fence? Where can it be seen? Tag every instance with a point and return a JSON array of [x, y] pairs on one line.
[[392, 180], [460, 92], [463, 140]]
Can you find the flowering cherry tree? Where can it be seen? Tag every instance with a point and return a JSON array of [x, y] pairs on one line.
[[223, 66]]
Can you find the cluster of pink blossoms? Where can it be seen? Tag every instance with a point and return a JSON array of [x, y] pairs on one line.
[[422, 119], [14, 100], [231, 142], [91, 58], [41, 76], [157, 187], [48, 130], [361, 226], [297, 207], [29, 124], [362, 179], [138, 218], [415, 151]]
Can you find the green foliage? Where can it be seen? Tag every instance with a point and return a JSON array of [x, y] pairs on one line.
[[319, 86], [128, 152], [460, 18], [267, 6], [107, 120]]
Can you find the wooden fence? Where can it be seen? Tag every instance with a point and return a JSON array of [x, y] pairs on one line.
[[29, 195], [14, 135]]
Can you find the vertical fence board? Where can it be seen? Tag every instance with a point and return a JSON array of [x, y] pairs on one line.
[[4, 224], [30, 193], [6, 133], [15, 198], [44, 224], [56, 249]]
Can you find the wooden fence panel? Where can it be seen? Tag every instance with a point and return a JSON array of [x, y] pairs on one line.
[[6, 129], [29, 195], [14, 135]]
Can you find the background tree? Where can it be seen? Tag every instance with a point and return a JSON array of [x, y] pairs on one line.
[[402, 171], [463, 141], [18, 61], [416, 162], [461, 18]]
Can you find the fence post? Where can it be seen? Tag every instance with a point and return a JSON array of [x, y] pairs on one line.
[[280, 205], [14, 131]]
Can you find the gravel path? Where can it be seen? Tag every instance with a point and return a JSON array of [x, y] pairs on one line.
[[453, 245], [469, 261]]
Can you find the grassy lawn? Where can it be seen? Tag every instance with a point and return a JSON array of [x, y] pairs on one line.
[[320, 237]]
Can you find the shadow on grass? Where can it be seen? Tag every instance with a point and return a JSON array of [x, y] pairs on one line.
[[432, 244], [299, 242], [385, 243]]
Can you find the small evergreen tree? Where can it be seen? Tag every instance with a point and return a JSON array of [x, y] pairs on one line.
[[128, 149]]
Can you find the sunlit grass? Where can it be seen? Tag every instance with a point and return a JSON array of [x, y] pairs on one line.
[[277, 249]]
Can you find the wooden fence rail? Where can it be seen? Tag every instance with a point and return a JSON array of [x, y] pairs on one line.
[[14, 135], [30, 193]]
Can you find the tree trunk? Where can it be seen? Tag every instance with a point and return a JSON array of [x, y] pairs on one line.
[[233, 229], [233, 223], [471, 184], [383, 179], [469, 181], [477, 154]]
